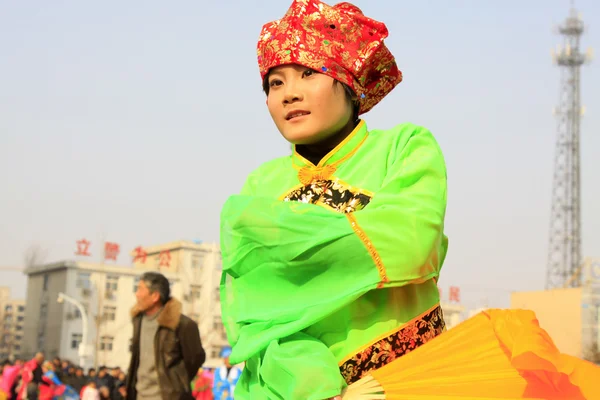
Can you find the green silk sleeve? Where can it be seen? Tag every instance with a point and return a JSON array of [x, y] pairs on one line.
[[281, 274], [404, 222], [296, 367], [289, 264]]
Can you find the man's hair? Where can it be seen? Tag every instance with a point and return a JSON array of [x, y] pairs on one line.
[[157, 283]]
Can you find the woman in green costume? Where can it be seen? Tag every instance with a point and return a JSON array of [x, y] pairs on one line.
[[331, 255]]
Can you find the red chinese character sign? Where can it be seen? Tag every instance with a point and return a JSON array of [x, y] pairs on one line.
[[454, 294], [83, 248], [140, 255], [165, 258], [111, 251]]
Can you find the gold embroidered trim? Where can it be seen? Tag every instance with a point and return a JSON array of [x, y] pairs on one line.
[[333, 195], [334, 179], [370, 248], [309, 174], [394, 345], [388, 333]]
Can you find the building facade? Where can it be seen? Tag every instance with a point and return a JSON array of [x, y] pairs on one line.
[[12, 321], [454, 314], [571, 316], [107, 293]]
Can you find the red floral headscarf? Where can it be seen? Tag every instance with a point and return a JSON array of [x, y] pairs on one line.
[[338, 41]]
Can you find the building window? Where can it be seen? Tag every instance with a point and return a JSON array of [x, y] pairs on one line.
[[8, 308], [112, 283], [19, 328], [18, 337], [195, 291], [214, 352], [106, 343], [20, 318], [7, 318], [6, 327], [41, 341], [217, 324], [84, 280], [110, 313], [76, 339], [17, 348], [21, 308], [197, 260], [77, 313], [46, 279]]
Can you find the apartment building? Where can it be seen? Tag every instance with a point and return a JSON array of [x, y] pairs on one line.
[[107, 294]]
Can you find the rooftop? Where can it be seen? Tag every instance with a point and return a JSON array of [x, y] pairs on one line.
[[87, 266], [178, 245]]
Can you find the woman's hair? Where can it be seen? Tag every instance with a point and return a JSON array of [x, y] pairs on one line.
[[350, 95]]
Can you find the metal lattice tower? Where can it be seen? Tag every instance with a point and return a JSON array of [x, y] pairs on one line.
[[564, 253]]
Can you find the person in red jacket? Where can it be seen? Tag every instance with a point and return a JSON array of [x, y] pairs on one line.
[[203, 385], [31, 378]]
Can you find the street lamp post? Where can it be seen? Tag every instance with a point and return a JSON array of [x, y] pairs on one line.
[[84, 321]]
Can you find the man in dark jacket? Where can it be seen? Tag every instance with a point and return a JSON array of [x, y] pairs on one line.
[[79, 380], [166, 350], [103, 379]]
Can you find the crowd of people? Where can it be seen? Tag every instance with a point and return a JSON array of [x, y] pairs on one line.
[[41, 379]]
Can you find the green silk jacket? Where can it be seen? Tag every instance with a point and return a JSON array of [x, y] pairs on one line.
[[330, 270]]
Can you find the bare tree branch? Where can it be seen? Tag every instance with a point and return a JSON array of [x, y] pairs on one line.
[[34, 255]]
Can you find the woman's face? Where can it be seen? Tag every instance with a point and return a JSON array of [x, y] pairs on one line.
[[305, 105]]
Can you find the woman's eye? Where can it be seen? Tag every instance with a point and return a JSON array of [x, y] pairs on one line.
[[275, 82], [308, 72]]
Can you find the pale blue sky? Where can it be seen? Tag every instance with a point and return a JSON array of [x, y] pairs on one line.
[[133, 121]]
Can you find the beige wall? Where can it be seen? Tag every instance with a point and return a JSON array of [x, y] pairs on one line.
[[11, 324], [559, 312], [13, 327], [4, 294]]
